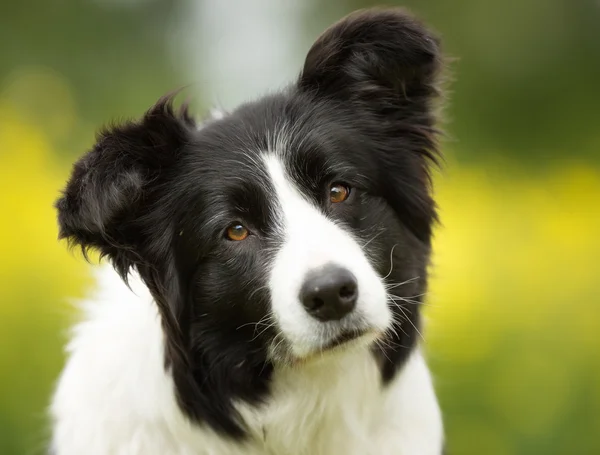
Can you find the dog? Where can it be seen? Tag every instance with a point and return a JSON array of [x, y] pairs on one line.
[[267, 265]]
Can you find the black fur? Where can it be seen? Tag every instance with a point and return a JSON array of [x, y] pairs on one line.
[[157, 194]]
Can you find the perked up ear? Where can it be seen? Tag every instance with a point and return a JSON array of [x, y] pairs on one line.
[[382, 55], [382, 67], [109, 186]]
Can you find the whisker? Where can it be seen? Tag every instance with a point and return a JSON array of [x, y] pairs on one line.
[[373, 238], [266, 321], [411, 323], [395, 285], [261, 321], [386, 342], [281, 341], [397, 298], [260, 288], [267, 327], [251, 323], [391, 261], [382, 347], [398, 323]]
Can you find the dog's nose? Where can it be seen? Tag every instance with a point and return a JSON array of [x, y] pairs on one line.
[[329, 293]]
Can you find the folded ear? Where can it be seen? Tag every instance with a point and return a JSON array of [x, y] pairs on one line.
[[112, 184], [377, 56]]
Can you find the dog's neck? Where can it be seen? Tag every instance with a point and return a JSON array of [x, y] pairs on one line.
[[319, 404]]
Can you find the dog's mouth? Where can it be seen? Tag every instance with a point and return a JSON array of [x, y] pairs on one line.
[[343, 341], [344, 337]]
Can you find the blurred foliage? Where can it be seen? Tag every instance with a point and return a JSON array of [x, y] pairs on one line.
[[514, 331], [513, 312], [111, 54]]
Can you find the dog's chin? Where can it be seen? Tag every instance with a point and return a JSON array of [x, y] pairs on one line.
[[344, 342]]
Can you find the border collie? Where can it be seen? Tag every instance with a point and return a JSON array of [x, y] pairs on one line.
[[267, 265]]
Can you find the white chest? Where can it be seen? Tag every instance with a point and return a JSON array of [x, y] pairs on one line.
[[332, 407]]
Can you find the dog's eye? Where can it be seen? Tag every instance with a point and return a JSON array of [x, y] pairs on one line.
[[338, 192], [237, 232]]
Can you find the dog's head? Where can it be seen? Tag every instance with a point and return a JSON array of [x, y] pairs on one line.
[[297, 224]]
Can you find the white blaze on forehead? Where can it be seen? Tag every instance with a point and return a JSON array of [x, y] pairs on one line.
[[310, 240], [299, 218]]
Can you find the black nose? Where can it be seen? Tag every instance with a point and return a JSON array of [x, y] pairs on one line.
[[329, 293]]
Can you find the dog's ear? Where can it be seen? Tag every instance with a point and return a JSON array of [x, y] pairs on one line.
[[111, 185], [383, 57], [382, 67]]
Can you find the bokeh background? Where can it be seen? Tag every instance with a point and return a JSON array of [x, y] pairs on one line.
[[514, 317]]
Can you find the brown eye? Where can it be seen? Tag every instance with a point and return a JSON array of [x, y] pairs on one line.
[[338, 193], [236, 232]]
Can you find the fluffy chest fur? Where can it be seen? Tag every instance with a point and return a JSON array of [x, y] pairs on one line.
[[324, 409], [114, 396]]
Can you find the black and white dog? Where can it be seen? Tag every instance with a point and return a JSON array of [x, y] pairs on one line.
[[275, 257]]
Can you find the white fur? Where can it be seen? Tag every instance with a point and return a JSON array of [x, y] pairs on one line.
[[311, 240], [216, 113], [115, 398]]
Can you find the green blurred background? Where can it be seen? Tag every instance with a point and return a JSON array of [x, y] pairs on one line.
[[514, 318]]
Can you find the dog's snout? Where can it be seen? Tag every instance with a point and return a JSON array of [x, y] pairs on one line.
[[329, 293]]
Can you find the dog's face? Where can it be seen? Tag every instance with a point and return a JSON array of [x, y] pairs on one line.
[[285, 230], [296, 225]]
